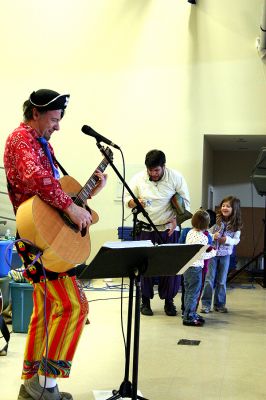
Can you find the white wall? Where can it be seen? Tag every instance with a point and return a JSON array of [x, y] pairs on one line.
[[144, 73]]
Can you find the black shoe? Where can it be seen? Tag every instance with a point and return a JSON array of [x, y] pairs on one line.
[[145, 309], [170, 309], [200, 318], [192, 322]]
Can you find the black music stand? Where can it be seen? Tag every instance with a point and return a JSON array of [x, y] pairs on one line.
[[132, 262]]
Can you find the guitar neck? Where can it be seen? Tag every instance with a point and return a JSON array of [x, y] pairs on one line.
[[86, 191]]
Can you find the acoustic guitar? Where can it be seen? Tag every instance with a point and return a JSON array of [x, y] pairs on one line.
[[49, 229]]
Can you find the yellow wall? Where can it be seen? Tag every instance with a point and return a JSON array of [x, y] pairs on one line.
[[145, 73]]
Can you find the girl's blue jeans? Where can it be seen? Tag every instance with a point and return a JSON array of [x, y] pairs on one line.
[[216, 281]]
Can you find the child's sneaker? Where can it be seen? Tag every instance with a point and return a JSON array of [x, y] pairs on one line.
[[221, 309], [200, 318], [205, 309], [192, 322]]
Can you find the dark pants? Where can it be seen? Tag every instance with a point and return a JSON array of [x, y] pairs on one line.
[[168, 286]]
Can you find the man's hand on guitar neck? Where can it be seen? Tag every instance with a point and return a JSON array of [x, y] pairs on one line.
[[79, 215], [100, 183]]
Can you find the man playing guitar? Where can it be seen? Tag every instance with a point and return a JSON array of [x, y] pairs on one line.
[[31, 170]]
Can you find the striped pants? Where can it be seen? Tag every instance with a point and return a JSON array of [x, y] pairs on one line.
[[51, 346]]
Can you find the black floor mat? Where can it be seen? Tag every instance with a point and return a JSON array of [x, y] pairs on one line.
[[189, 342]]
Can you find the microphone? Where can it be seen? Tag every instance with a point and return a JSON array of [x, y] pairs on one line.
[[90, 132]]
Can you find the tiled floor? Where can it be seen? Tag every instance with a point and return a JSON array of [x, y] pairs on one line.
[[228, 364]]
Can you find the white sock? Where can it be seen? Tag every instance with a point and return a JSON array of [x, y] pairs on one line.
[[50, 382]]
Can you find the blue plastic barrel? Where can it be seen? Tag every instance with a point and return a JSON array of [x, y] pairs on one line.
[[22, 305], [5, 256]]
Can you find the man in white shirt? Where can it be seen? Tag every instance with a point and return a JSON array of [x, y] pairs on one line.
[[154, 188]]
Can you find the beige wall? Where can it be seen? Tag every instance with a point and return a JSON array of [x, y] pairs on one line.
[[145, 73]]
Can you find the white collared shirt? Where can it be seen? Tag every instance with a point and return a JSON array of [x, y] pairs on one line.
[[159, 193]]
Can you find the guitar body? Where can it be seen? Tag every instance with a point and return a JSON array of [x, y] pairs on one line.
[[63, 247]]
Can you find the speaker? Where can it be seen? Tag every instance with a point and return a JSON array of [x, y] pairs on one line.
[[258, 176]]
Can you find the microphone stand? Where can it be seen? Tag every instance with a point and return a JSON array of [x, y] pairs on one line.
[[128, 389]]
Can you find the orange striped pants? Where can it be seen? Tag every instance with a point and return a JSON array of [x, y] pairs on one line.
[[66, 313]]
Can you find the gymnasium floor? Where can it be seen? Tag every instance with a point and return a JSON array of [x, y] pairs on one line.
[[229, 363]]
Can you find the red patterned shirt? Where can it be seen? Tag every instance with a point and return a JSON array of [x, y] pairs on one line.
[[29, 171]]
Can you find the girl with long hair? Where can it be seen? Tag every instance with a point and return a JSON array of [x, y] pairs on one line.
[[226, 234]]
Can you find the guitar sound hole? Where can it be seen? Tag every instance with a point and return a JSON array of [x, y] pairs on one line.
[[71, 225], [83, 232]]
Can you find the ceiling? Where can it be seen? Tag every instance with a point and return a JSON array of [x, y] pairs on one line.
[[236, 142]]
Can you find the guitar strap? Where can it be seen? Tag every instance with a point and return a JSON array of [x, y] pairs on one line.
[[61, 167], [51, 157], [43, 142]]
